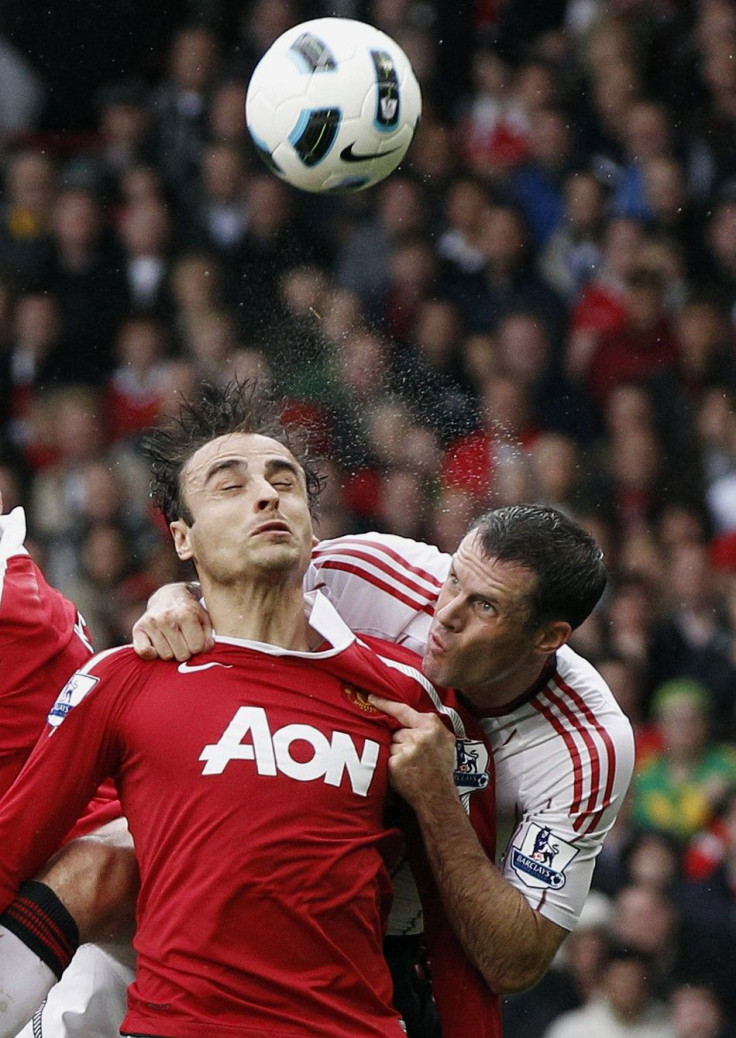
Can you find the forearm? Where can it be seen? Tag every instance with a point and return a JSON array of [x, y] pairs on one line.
[[509, 943]]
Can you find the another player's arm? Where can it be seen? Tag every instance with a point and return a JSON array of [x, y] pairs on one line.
[[39, 810], [510, 943], [175, 624]]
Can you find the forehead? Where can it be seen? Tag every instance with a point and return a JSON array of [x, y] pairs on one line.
[[250, 448], [487, 575]]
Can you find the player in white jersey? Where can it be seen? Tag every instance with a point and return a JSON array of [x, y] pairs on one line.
[[563, 750]]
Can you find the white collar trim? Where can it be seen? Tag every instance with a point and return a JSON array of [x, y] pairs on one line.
[[322, 618]]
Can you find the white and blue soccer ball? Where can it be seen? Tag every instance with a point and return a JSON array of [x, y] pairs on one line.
[[333, 105]]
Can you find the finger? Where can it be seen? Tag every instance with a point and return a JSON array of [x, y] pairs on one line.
[[406, 715], [178, 644], [196, 634], [142, 645], [158, 646]]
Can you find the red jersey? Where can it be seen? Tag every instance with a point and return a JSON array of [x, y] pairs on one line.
[[43, 640], [254, 781]]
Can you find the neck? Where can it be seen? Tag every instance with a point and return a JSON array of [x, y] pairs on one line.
[[261, 612], [508, 689]]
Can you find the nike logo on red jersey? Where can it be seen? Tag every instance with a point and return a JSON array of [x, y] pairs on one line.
[[189, 668]]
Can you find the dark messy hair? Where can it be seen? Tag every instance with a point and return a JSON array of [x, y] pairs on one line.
[[567, 562], [240, 406]]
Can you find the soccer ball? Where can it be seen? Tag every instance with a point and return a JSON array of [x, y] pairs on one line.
[[333, 105]]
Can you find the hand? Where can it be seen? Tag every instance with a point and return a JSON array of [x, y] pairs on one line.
[[175, 626], [423, 753]]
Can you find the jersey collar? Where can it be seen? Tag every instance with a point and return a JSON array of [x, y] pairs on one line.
[[322, 617]]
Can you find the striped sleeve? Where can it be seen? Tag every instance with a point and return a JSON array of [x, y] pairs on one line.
[[573, 772], [381, 584]]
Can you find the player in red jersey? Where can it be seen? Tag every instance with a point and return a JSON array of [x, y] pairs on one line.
[[253, 779], [43, 639]]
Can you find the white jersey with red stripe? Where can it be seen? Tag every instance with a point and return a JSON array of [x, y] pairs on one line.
[[563, 753]]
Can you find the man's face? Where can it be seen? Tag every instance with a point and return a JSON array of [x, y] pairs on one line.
[[250, 513], [480, 640]]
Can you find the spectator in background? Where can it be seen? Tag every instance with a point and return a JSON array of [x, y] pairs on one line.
[[88, 283], [493, 129], [219, 213], [643, 344], [413, 277], [276, 240], [30, 362], [709, 893], [557, 471], [538, 183], [601, 306], [719, 269], [677, 790], [225, 122], [693, 637], [715, 424], [146, 235], [428, 369], [471, 462], [211, 342], [180, 107], [124, 131], [135, 388], [627, 1007], [573, 252], [363, 262], [197, 285], [22, 93], [459, 244], [647, 133], [507, 280], [575, 978], [697, 1011], [29, 184]]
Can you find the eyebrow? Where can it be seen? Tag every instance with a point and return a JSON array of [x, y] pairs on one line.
[[226, 465], [239, 466]]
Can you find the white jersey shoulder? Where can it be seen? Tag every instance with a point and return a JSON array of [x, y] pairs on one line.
[[381, 584], [564, 760]]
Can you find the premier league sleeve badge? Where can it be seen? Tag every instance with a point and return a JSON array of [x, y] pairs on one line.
[[541, 858], [471, 766]]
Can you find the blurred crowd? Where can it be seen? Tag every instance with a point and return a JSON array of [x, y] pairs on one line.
[[540, 305]]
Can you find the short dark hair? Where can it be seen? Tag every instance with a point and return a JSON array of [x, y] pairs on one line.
[[566, 560], [240, 406]]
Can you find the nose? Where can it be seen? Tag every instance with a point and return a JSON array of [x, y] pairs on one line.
[[267, 497], [447, 612]]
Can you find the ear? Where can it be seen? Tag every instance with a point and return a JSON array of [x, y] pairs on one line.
[[553, 636], [180, 533]]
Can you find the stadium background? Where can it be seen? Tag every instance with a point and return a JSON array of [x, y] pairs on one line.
[[540, 305]]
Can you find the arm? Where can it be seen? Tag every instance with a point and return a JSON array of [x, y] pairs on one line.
[[509, 943], [380, 584], [78, 747], [43, 640], [175, 625]]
